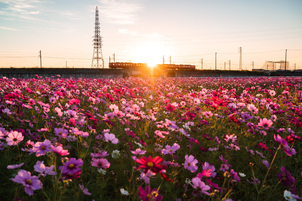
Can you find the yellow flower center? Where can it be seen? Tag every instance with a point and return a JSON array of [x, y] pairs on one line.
[[43, 147], [189, 164], [71, 166], [149, 196], [28, 181], [150, 164]]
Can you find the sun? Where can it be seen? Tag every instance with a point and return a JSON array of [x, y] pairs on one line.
[[151, 54]]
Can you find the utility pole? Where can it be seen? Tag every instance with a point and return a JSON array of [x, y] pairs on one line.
[[114, 57], [285, 58], [240, 60], [201, 64], [215, 60], [40, 55], [170, 59], [295, 66], [253, 65], [163, 59], [65, 64], [224, 65], [229, 64]]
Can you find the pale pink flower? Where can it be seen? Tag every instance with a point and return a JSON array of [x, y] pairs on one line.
[[110, 137], [14, 137], [265, 123], [200, 185], [190, 163], [15, 166]]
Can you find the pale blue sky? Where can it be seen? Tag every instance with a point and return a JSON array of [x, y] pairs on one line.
[[147, 30]]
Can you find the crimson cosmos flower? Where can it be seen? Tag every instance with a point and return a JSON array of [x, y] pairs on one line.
[[150, 163]]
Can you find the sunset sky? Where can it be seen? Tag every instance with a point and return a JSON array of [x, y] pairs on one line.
[[147, 30]]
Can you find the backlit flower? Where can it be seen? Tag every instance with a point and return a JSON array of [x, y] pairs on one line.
[[149, 163], [14, 137], [265, 123]]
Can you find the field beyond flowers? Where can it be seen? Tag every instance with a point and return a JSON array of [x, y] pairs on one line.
[[172, 139]]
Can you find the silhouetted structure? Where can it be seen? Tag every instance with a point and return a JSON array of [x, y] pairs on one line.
[[97, 58]]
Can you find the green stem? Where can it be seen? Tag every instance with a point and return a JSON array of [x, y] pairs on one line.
[[264, 180]]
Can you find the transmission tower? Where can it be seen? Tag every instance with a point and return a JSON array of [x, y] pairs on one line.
[[97, 58]]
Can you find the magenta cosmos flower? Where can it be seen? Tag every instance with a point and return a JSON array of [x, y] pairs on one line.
[[283, 143], [190, 163], [30, 183], [148, 194], [149, 163], [71, 168], [14, 137]]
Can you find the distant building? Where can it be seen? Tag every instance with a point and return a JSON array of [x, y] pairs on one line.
[[276, 65]]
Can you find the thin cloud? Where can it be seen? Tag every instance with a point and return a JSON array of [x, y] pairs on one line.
[[8, 28], [25, 9], [120, 11]]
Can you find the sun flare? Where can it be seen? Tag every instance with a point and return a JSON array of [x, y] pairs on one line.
[[150, 54]]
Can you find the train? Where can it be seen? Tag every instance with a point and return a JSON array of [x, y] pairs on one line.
[[130, 65]]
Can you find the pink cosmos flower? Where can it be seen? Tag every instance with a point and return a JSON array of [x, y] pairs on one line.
[[138, 151], [160, 133], [266, 163], [59, 150], [200, 185], [61, 132], [14, 137], [41, 148], [190, 163], [265, 123], [148, 194], [84, 190], [7, 111], [252, 108], [100, 163], [110, 137], [15, 166], [101, 154], [286, 148], [170, 150], [43, 170], [209, 168], [30, 183], [146, 176]]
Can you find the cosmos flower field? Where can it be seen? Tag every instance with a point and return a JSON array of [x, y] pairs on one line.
[[151, 139]]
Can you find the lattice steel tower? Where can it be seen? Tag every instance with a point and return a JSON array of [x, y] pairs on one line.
[[97, 58]]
